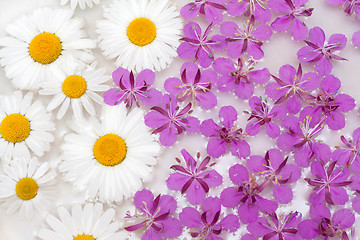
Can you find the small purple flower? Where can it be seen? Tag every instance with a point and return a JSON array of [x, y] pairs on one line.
[[351, 7], [194, 180], [223, 136], [170, 121], [247, 40], [275, 171], [211, 9], [276, 228], [256, 8], [329, 104], [355, 185], [154, 216], [132, 91], [198, 46], [263, 116], [194, 84], [328, 184], [239, 76], [301, 138], [321, 53], [207, 224], [293, 87], [292, 10], [349, 155], [323, 225], [246, 195]]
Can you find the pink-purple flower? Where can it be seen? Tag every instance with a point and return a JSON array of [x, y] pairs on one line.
[[211, 9], [133, 91], [291, 11], [322, 226], [195, 179], [355, 186], [239, 76], [170, 120], [248, 39], [292, 87], [329, 183], [154, 216], [208, 224], [275, 170], [355, 39], [276, 227], [198, 46], [256, 8], [225, 135], [194, 84], [320, 52], [351, 7], [246, 195], [261, 115]]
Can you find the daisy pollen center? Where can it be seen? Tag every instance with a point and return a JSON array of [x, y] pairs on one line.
[[141, 31], [110, 150], [26, 188], [45, 48], [74, 86], [15, 128], [83, 237]]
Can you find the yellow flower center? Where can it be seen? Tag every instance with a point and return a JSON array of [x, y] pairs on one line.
[[15, 128], [141, 31], [45, 48], [110, 150], [74, 86], [83, 237], [26, 189]]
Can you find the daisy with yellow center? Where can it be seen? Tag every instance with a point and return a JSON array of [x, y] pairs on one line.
[[109, 159], [140, 34], [24, 126], [78, 88], [26, 185], [43, 44], [90, 222]]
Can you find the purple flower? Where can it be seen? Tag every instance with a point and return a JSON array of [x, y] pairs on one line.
[[194, 180], [211, 9], [170, 121], [292, 86], [246, 194], [328, 184], [262, 115], [355, 185], [207, 224], [132, 91], [276, 228], [301, 138], [239, 76], [275, 170], [223, 136], [194, 84], [349, 155], [247, 40], [154, 216], [198, 46], [329, 104], [256, 8], [321, 53], [292, 10], [322, 225], [356, 38], [351, 7]]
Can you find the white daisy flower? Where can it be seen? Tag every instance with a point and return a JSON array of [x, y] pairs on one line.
[[41, 45], [23, 125], [140, 33], [109, 159], [26, 185], [77, 88], [88, 223], [82, 3]]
